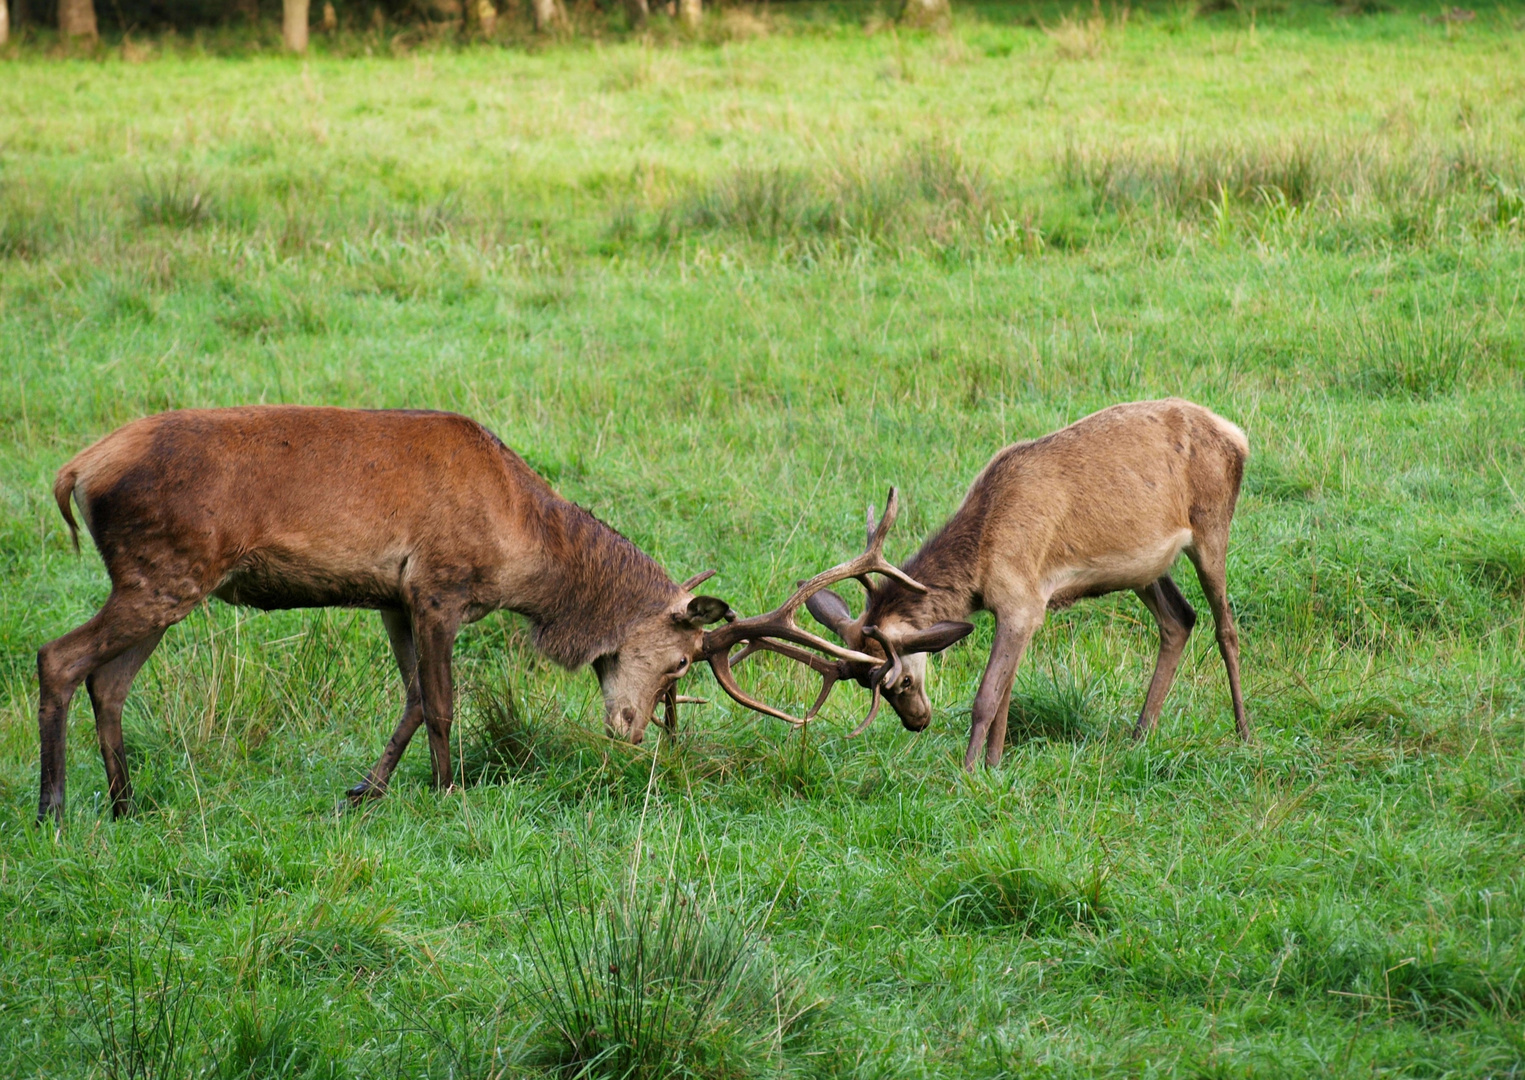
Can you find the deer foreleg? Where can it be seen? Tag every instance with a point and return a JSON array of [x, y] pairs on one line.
[[434, 636], [988, 722], [400, 633]]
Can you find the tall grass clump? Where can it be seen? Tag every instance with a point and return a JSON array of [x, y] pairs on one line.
[[1418, 358], [650, 983], [141, 1012], [1408, 188], [261, 1042], [173, 200], [1057, 706], [1192, 178], [499, 741], [928, 194]]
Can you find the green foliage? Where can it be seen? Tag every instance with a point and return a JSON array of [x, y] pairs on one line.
[[1052, 705], [1006, 883]]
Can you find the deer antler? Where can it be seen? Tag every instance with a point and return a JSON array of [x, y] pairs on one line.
[[769, 632]]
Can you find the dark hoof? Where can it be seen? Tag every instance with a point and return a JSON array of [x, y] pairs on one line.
[[363, 791]]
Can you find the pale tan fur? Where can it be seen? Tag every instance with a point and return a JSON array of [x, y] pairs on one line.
[[1105, 504]]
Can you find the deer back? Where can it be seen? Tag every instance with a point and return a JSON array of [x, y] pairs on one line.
[[1107, 503], [292, 506]]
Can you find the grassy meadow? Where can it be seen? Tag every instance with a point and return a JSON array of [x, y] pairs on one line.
[[725, 291]]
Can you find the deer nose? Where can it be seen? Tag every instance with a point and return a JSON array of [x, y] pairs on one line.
[[627, 718]]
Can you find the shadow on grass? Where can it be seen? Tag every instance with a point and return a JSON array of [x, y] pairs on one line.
[[505, 739]]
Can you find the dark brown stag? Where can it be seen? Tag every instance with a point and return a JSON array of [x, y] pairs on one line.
[[423, 516], [1105, 504]]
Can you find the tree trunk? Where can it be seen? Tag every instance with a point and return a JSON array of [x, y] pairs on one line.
[[926, 13], [293, 24], [76, 18], [5, 23], [548, 15], [637, 12], [688, 13]]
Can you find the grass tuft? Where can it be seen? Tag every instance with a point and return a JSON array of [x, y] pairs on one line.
[[1056, 705], [141, 1009], [173, 200], [1419, 358], [649, 983], [1005, 883], [928, 194], [268, 1043]]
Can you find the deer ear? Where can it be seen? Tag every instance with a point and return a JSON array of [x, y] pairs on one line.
[[934, 638], [703, 610], [830, 610]]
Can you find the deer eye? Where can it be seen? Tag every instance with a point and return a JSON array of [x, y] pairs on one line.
[[682, 666], [905, 683]]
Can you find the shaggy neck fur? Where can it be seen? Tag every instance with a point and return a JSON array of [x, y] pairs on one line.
[[596, 584], [947, 565]]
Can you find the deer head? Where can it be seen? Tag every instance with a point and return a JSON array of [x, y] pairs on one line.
[[891, 636], [888, 665], [656, 653]]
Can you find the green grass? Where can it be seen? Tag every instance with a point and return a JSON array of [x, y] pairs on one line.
[[725, 293]]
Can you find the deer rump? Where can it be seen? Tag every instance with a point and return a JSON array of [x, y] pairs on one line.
[[424, 516]]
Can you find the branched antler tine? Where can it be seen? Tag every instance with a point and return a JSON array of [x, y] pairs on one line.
[[780, 621], [877, 533], [772, 625], [890, 670], [828, 683], [698, 579], [720, 664], [670, 709], [875, 551], [873, 710], [752, 647], [819, 664]]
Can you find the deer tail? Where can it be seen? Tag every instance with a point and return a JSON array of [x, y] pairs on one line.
[[63, 490]]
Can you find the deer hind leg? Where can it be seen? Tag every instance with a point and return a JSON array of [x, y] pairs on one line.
[[1175, 618], [127, 619], [988, 719], [1209, 554], [108, 686], [400, 633]]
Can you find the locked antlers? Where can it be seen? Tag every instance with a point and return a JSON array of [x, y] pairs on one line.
[[778, 632]]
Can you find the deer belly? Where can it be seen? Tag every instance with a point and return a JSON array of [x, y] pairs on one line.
[[1112, 571], [276, 580]]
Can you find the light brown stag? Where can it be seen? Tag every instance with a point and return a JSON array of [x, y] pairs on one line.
[[423, 516], [1105, 504]]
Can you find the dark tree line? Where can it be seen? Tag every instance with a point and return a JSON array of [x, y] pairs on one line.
[[81, 19]]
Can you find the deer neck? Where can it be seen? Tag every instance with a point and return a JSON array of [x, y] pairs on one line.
[[591, 587], [947, 565]]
